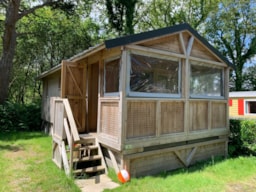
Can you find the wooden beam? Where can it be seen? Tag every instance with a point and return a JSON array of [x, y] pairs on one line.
[[207, 61], [66, 127], [101, 154], [191, 155], [177, 153], [155, 152], [123, 102], [113, 160], [65, 159], [71, 120], [156, 51], [182, 43], [190, 45], [158, 118]]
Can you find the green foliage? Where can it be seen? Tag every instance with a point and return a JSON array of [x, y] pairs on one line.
[[121, 15], [242, 137], [164, 13], [248, 134], [232, 31], [20, 117]]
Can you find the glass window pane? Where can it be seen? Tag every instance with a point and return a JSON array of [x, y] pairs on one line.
[[154, 75], [112, 69], [206, 81]]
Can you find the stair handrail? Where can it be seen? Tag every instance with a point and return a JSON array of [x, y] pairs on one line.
[[71, 120]]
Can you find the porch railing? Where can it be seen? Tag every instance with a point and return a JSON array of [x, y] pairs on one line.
[[63, 129]]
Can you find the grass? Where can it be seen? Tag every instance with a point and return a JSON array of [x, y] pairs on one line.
[[224, 175], [26, 165]]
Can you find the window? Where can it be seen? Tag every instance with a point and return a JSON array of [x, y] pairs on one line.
[[156, 77], [206, 81], [250, 107], [111, 73]]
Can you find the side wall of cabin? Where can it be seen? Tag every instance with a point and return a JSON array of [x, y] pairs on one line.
[[51, 88]]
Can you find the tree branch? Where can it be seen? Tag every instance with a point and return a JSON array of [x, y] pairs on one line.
[[33, 9]]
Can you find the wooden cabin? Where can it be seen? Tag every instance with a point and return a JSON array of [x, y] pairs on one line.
[[153, 102], [242, 104]]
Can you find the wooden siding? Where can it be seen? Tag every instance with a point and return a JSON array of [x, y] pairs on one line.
[[153, 162], [198, 115], [169, 43], [172, 117], [234, 109], [51, 88], [141, 119], [219, 111], [200, 51]]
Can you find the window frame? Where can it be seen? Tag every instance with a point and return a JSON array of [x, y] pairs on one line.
[[246, 106], [195, 96], [117, 93], [153, 95]]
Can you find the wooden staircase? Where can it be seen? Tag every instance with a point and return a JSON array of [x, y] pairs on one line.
[[88, 160], [79, 155]]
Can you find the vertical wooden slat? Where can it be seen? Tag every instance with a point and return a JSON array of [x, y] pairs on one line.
[[123, 101]]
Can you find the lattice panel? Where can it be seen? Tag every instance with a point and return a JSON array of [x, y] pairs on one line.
[[110, 118], [141, 119], [172, 117], [219, 115], [198, 115]]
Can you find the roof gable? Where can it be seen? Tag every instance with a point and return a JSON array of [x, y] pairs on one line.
[[143, 37]]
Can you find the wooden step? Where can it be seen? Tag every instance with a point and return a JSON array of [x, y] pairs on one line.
[[90, 147], [87, 140], [89, 158], [90, 169]]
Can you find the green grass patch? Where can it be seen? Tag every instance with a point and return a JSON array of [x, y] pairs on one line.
[[221, 175], [26, 165]]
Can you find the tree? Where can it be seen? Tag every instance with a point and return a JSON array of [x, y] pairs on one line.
[[232, 31], [45, 38], [121, 15], [250, 78], [15, 10], [164, 13]]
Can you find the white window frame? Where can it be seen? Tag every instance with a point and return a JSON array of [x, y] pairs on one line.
[[152, 95], [112, 94], [245, 107], [194, 96]]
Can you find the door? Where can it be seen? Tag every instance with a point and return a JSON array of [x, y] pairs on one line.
[[93, 86], [73, 87]]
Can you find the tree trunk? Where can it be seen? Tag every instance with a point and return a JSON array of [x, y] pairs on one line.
[[9, 44]]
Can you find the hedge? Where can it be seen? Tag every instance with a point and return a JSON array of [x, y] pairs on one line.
[[242, 137], [20, 117]]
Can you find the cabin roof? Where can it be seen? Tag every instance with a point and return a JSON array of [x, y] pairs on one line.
[[239, 94], [162, 32], [122, 41]]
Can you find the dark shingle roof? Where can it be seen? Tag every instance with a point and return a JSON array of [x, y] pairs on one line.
[[161, 32]]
